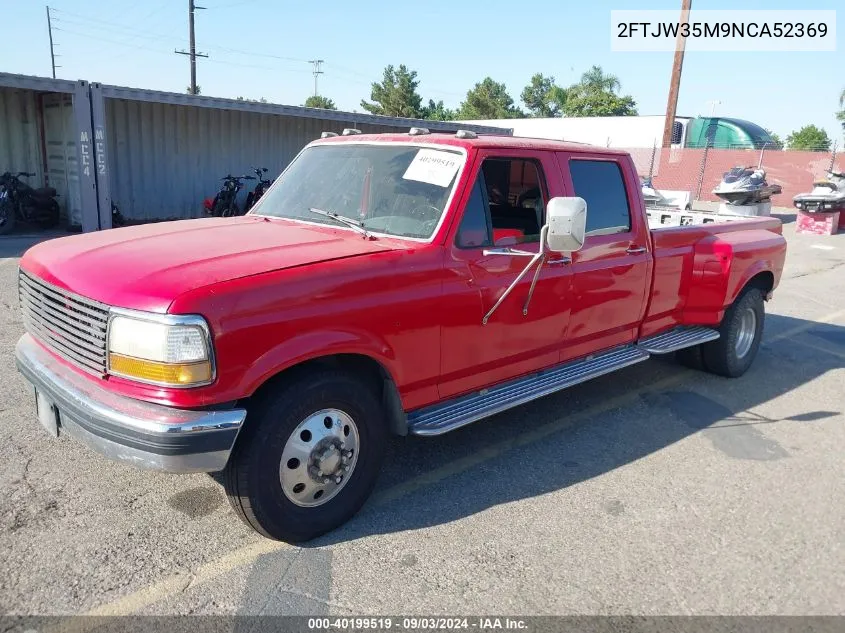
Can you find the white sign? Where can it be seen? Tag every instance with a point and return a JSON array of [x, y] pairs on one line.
[[433, 167], [722, 30]]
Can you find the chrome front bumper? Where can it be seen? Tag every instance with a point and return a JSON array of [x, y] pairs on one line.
[[146, 435]]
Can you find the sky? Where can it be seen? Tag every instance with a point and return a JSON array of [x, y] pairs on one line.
[[261, 48]]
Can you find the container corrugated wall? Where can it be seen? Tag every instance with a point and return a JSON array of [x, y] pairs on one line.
[[19, 133], [165, 159]]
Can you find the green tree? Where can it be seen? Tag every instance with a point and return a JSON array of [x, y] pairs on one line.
[[809, 138], [489, 100], [595, 95], [438, 112], [543, 98], [596, 78], [841, 114], [199, 89], [778, 142], [319, 101], [585, 101], [396, 95]]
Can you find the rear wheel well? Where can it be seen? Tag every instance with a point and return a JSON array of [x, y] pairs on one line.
[[363, 367], [765, 281]]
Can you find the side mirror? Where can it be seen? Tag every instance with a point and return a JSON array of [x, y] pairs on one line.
[[567, 224]]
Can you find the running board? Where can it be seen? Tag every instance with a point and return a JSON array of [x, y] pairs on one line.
[[442, 418], [676, 339]]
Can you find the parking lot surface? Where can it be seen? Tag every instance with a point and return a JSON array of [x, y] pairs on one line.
[[655, 490]]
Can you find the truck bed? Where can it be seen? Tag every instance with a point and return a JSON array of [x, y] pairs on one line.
[[700, 267], [659, 217]]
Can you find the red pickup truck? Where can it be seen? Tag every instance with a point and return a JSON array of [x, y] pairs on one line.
[[396, 283]]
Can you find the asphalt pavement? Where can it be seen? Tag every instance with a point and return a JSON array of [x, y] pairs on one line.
[[655, 490]]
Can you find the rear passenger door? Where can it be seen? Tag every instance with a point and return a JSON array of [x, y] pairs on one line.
[[611, 272]]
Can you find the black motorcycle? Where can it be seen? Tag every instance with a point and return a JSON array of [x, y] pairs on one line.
[[19, 201], [225, 204], [260, 189]]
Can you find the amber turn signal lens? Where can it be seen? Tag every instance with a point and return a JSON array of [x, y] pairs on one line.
[[178, 374]]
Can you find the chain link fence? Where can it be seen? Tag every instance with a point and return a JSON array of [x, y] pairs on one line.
[[699, 170]]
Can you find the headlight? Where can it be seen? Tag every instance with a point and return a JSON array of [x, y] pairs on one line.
[[166, 350]]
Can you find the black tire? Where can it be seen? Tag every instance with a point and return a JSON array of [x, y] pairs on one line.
[[720, 356], [219, 208], [49, 217], [691, 357], [7, 217], [252, 479]]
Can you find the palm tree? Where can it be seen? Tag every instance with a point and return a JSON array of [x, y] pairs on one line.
[[841, 114], [596, 78]]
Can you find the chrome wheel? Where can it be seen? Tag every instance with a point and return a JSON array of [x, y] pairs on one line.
[[319, 458], [746, 332]]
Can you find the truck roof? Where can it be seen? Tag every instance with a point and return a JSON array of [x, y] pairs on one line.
[[482, 140]]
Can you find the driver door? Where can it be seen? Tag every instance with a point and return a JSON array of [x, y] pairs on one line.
[[505, 207]]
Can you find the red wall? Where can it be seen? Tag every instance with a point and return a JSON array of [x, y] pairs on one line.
[[678, 169]]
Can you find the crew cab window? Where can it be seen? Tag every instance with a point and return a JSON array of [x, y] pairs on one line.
[[514, 207], [602, 186]]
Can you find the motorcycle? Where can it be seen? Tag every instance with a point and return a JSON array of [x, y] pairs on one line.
[[225, 204], [20, 201], [260, 189]]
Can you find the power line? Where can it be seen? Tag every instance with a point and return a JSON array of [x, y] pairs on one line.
[[131, 33], [115, 42], [87, 18], [164, 52], [233, 4]]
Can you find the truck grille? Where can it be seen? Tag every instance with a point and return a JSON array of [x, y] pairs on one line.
[[72, 326]]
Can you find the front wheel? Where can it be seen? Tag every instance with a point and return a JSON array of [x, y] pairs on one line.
[[308, 457]]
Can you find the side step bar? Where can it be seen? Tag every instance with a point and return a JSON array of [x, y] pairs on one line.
[[459, 412], [448, 416], [676, 339]]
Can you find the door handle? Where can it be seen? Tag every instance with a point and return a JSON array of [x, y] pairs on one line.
[[635, 250], [559, 262]]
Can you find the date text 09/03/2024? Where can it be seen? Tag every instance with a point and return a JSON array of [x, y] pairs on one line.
[[417, 623]]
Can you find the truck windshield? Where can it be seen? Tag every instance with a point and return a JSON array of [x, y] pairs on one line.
[[399, 190]]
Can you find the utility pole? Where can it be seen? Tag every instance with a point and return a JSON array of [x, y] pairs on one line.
[[675, 83], [52, 49], [318, 70], [193, 54]]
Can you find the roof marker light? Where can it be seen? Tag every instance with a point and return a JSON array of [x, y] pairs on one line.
[[328, 134], [466, 134], [418, 131], [349, 131]]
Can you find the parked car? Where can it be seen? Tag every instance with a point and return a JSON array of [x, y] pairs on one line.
[[391, 284]]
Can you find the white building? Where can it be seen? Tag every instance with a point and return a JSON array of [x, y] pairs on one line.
[[613, 131]]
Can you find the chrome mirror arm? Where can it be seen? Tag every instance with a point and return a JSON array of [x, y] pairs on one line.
[[507, 250], [533, 284], [536, 259]]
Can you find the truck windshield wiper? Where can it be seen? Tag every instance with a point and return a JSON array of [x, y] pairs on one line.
[[355, 224]]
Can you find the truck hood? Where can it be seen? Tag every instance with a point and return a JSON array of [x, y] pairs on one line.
[[146, 267]]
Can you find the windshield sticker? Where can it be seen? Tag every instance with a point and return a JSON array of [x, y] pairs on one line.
[[433, 167]]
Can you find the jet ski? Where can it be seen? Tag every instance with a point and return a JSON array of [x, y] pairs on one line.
[[827, 195], [652, 197], [744, 185]]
